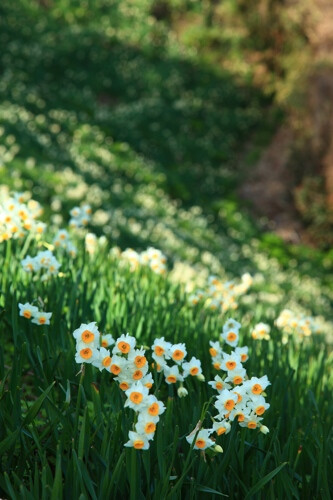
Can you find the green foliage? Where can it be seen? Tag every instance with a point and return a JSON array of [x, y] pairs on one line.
[[72, 427]]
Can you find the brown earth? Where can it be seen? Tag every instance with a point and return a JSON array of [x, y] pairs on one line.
[[271, 185]]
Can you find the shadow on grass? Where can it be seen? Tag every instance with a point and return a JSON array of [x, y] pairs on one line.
[[185, 117]]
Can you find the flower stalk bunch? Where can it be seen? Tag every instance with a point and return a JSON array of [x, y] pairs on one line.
[[239, 398], [129, 366], [19, 217]]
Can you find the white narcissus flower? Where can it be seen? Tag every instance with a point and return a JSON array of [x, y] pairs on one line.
[[172, 374], [202, 440], [86, 355], [124, 344], [257, 385], [27, 310], [231, 362], [230, 336], [178, 352], [222, 427], [225, 401], [161, 348], [137, 441], [87, 334], [192, 367], [219, 384], [136, 396], [154, 407], [236, 376], [231, 324], [41, 318], [107, 340], [103, 360], [261, 332]]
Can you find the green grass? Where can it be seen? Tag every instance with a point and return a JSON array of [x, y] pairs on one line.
[[72, 428]]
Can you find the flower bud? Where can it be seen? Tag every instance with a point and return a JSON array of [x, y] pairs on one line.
[[201, 377], [182, 392], [218, 448], [264, 429]]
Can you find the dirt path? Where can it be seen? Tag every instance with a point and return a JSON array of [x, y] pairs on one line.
[[270, 187]]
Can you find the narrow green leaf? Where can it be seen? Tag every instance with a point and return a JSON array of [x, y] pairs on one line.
[[264, 480]]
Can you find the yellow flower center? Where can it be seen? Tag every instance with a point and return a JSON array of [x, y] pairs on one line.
[[137, 375], [172, 379], [240, 417], [217, 366], [42, 320], [231, 365], [86, 353], [231, 336], [104, 343], [200, 443], [178, 354], [136, 397], [140, 361], [212, 352], [115, 369], [27, 314], [194, 370], [124, 347], [153, 409], [219, 386], [106, 361], [260, 410], [229, 404], [150, 427], [87, 336], [252, 425], [238, 380], [124, 386], [138, 444], [257, 389], [221, 430], [244, 357]]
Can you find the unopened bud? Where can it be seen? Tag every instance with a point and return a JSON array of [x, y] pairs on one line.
[[182, 392], [264, 429], [218, 448], [201, 377]]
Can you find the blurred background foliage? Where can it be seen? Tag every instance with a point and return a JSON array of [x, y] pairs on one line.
[[195, 89]]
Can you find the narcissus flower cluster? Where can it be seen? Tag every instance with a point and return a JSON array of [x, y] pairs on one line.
[[296, 324], [129, 366], [170, 360], [152, 257], [19, 216], [239, 398], [62, 240], [261, 331], [29, 311], [80, 216], [222, 295], [44, 260]]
